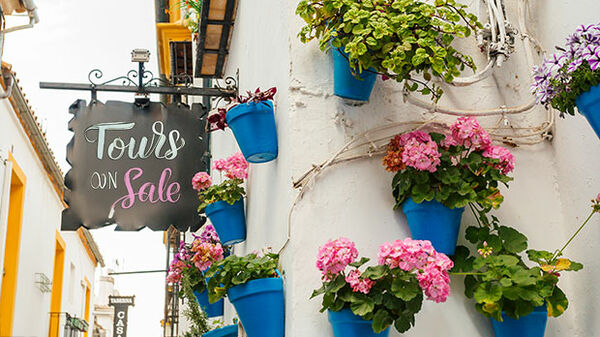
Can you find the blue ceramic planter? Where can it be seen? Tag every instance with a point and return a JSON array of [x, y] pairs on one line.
[[260, 306], [229, 221], [227, 331], [345, 84], [211, 309], [347, 324], [532, 325], [430, 220], [253, 125], [588, 104]]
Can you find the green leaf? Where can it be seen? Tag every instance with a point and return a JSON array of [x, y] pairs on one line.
[[471, 284], [362, 308], [512, 240], [359, 263], [525, 277], [375, 272], [462, 260], [557, 303], [405, 290], [382, 320], [488, 293]]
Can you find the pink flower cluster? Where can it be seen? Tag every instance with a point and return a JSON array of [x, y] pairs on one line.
[[507, 161], [178, 264], [467, 132], [414, 149], [334, 256], [234, 167], [424, 156], [419, 256], [175, 271], [205, 254], [201, 181], [358, 284]]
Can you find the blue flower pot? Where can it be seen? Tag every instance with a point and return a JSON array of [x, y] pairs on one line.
[[211, 310], [229, 221], [253, 125], [345, 84], [227, 331], [430, 220], [260, 307], [588, 104], [347, 324], [532, 325]]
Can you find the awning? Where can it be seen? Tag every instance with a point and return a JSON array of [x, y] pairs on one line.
[[10, 6]]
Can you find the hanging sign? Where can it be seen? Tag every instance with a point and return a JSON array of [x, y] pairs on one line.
[[121, 304], [132, 166]]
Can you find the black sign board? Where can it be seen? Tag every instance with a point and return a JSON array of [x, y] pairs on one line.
[[121, 304], [133, 166]]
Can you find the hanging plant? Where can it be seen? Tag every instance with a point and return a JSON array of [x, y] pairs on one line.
[[366, 303], [438, 173], [504, 287], [252, 120], [223, 203], [187, 270], [571, 77], [254, 286], [407, 40]]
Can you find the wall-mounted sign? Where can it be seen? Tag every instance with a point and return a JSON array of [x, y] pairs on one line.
[[121, 304], [133, 166]]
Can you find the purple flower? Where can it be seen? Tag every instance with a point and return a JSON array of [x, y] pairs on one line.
[[209, 234], [574, 65], [592, 55]]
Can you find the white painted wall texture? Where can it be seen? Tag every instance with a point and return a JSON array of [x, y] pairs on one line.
[[41, 220], [547, 200]]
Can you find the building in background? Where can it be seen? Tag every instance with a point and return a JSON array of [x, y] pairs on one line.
[[47, 280], [103, 313]]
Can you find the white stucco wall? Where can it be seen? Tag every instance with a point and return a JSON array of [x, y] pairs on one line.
[[41, 220], [547, 200]]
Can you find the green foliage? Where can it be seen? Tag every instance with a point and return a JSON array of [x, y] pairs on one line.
[[235, 270], [230, 191], [398, 38], [502, 282], [582, 80], [196, 317], [473, 180], [395, 298]]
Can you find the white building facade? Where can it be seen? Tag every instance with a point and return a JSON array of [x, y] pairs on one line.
[[549, 197], [47, 273]]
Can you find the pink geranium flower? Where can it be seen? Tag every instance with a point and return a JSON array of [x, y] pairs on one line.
[[359, 285], [419, 256], [507, 160], [201, 181], [334, 256]]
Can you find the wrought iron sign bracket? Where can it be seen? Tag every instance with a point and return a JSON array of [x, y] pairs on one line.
[[143, 82]]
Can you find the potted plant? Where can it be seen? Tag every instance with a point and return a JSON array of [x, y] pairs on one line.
[[571, 77], [191, 13], [517, 298], [187, 270], [223, 204], [408, 40], [252, 120], [441, 169], [365, 303], [255, 288]]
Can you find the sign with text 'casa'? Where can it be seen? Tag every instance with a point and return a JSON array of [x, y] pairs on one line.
[[121, 305], [132, 166]]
